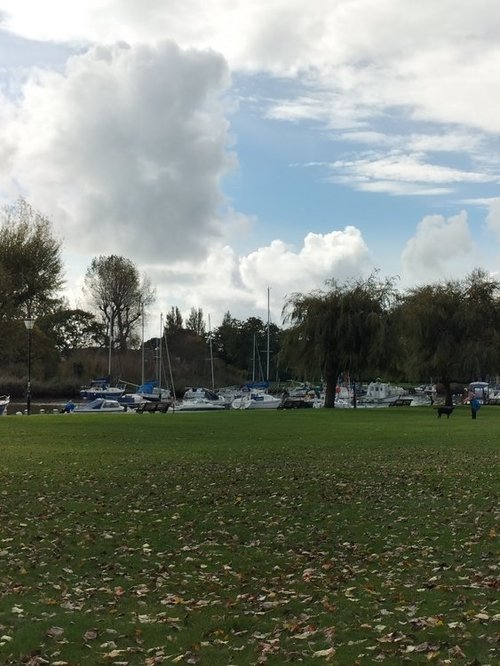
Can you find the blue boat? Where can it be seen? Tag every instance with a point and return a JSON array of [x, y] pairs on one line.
[[147, 392], [101, 388]]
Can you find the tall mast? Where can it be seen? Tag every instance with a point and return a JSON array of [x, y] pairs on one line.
[[110, 343], [211, 352], [159, 354], [268, 350], [142, 345], [253, 357]]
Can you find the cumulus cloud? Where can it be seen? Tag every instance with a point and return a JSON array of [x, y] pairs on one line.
[[440, 248], [125, 149], [433, 60], [336, 254], [225, 281]]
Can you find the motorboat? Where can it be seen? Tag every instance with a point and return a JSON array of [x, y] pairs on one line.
[[199, 399], [481, 391], [100, 406], [198, 405], [149, 391], [101, 388], [256, 400], [4, 402], [382, 393], [198, 392]]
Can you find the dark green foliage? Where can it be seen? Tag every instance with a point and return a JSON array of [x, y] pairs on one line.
[[70, 330], [30, 263], [342, 329], [195, 322], [244, 345], [173, 321], [452, 329]]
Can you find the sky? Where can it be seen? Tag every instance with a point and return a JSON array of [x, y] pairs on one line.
[[237, 150]]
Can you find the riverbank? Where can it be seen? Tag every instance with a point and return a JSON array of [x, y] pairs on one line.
[[37, 407]]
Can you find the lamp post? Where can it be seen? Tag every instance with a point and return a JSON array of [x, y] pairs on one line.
[[29, 323]]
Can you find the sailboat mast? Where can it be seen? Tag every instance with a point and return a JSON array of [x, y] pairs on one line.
[[142, 344], [110, 343], [268, 350], [159, 354], [253, 358], [211, 352]]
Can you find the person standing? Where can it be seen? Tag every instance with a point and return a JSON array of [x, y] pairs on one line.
[[474, 406]]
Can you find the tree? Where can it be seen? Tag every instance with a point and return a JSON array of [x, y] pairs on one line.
[[338, 330], [30, 263], [173, 321], [115, 290], [72, 329], [451, 329], [195, 322], [225, 339]]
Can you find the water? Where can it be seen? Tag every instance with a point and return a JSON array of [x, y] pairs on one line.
[[37, 406]]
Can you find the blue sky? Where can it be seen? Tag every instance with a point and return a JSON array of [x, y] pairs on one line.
[[229, 147]]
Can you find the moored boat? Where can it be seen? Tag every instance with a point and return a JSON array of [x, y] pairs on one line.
[[147, 392], [198, 405], [101, 388], [100, 406], [199, 399], [256, 400], [4, 402], [382, 393]]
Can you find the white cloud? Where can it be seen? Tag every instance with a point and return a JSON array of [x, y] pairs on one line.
[[339, 254], [125, 150], [420, 143], [436, 60], [224, 281], [493, 216], [440, 248], [399, 173]]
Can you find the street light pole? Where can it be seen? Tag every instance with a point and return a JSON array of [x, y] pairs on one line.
[[29, 323]]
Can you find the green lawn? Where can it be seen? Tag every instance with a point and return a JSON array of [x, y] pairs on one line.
[[314, 536]]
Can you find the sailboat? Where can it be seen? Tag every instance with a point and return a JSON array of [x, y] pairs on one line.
[[256, 395], [101, 386], [149, 390]]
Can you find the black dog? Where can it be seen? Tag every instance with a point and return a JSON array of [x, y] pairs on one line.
[[445, 410]]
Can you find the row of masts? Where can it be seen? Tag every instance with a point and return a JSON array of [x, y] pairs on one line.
[[163, 337]]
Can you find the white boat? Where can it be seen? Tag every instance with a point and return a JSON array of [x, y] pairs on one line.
[[199, 399], [200, 393], [4, 402], [256, 400], [481, 391], [382, 393], [198, 405], [101, 388], [100, 406]]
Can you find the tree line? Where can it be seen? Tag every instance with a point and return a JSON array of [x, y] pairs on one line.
[[363, 328]]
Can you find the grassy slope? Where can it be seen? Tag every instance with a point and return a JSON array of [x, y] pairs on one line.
[[246, 537]]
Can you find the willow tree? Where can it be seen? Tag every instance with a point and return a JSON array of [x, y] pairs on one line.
[[340, 329], [451, 330], [115, 290]]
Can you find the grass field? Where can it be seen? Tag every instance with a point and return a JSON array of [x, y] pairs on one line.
[[308, 536]]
